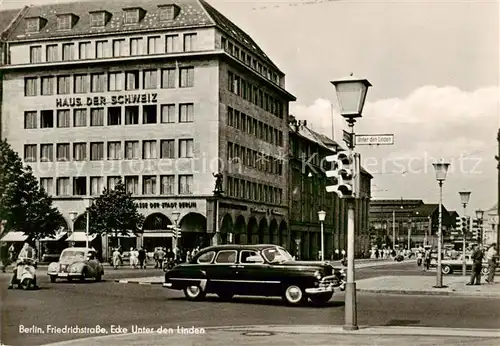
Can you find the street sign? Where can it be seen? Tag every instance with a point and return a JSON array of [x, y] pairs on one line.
[[347, 137], [375, 139]]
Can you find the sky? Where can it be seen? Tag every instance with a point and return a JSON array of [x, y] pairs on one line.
[[434, 67]]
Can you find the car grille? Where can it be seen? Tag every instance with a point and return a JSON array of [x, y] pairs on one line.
[[64, 267], [329, 280]]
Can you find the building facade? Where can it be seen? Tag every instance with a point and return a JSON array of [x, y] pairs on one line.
[[161, 95], [308, 196]]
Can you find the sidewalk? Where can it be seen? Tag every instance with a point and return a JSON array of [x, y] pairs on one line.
[[423, 285], [289, 335]]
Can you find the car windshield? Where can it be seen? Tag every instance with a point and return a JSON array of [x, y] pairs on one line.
[[73, 255], [276, 255]]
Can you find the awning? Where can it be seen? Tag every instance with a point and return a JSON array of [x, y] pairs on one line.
[[14, 236], [80, 236], [57, 237], [157, 235]]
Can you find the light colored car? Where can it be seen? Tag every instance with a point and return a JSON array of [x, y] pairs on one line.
[[448, 266], [76, 263]]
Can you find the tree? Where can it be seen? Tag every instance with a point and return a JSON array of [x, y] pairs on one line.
[[115, 213], [24, 205]]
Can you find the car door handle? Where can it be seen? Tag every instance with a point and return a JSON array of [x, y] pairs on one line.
[[236, 266]]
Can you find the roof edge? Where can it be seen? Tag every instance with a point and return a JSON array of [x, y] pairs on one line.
[[5, 34]]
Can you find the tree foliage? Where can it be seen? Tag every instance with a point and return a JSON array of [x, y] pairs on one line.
[[115, 213], [24, 205]]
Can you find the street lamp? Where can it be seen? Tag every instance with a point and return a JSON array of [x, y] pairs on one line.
[[441, 171], [175, 217], [479, 217], [72, 217], [321, 216], [351, 95], [464, 199], [87, 228]]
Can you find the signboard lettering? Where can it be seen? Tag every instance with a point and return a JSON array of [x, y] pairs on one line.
[[374, 139], [110, 100], [165, 205]]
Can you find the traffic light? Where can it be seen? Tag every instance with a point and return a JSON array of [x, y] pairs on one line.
[[176, 231], [459, 225], [476, 229], [343, 174]]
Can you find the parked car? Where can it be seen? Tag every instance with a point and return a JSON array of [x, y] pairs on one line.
[[448, 266], [259, 270], [76, 263]]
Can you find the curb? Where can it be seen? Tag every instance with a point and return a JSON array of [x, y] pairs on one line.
[[137, 282], [433, 293]]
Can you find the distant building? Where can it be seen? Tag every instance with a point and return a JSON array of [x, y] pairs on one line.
[[490, 225], [307, 186]]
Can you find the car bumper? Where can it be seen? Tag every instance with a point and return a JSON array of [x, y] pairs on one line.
[[65, 275], [319, 290], [167, 284]]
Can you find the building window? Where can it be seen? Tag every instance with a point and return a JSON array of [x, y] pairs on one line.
[[30, 120], [132, 80], [81, 84], [97, 19], [186, 148], [167, 186], [35, 54], [154, 45], [132, 184], [79, 151], [168, 113], [115, 81], [63, 118], [52, 53], [167, 12], [33, 24], [47, 185], [62, 152], [68, 51], [64, 22], [131, 115], [189, 42], [101, 49], [186, 113], [96, 151], [186, 75], [114, 116], [230, 81], [97, 117], [171, 43], [149, 185], [85, 50], [149, 114], [46, 119], [30, 153], [30, 86], [132, 16], [98, 82], [168, 78], [150, 79], [112, 182], [185, 184], [167, 149], [136, 46], [149, 150], [118, 48], [46, 152], [80, 117], [95, 186], [132, 150], [63, 85], [62, 187], [114, 150], [47, 85], [79, 186]]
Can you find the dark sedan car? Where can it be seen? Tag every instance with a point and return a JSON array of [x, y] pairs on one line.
[[259, 270]]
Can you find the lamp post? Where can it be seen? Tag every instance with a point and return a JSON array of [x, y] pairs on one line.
[[87, 228], [479, 217], [321, 217], [351, 95], [464, 199], [441, 171], [409, 233], [72, 217], [175, 216]]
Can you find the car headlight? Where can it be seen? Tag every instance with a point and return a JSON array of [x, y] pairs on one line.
[[53, 267], [76, 268], [317, 275]]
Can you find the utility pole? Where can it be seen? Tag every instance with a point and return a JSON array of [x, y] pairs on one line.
[[498, 194]]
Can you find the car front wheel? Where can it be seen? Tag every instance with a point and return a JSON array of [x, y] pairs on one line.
[[194, 292], [446, 270], [293, 295]]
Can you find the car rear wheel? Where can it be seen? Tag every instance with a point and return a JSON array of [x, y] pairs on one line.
[[98, 277], [53, 278], [194, 292], [293, 295], [446, 270], [321, 299]]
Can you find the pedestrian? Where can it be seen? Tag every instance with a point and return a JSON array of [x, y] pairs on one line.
[[477, 265], [337, 254], [133, 258], [377, 254], [491, 257], [343, 253], [419, 258], [427, 259], [142, 258]]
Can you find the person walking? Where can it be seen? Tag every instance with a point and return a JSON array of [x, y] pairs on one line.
[[491, 257], [427, 259], [142, 258], [477, 264]]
